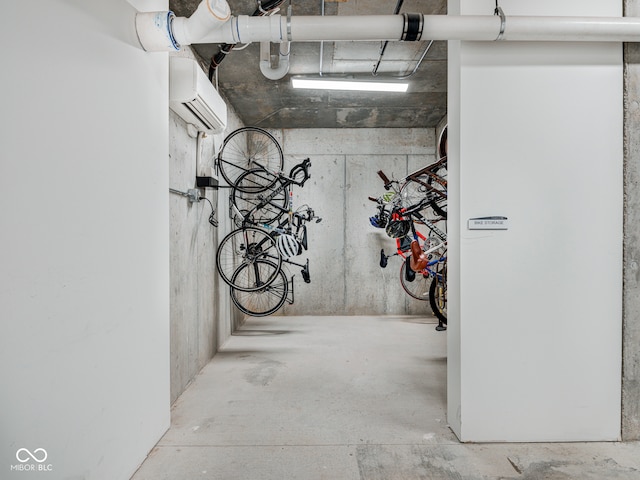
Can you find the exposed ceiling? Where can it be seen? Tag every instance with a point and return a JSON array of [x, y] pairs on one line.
[[274, 104]]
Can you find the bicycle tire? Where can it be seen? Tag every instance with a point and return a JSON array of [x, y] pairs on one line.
[[267, 300], [247, 148], [438, 297], [413, 192], [247, 246], [442, 143], [247, 201], [418, 288]]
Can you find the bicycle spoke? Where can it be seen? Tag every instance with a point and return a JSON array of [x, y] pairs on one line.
[[266, 300], [248, 148], [419, 287], [245, 247]]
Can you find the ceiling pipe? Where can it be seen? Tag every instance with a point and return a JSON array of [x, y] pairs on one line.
[[274, 72], [405, 27], [209, 15], [321, 43], [163, 31]]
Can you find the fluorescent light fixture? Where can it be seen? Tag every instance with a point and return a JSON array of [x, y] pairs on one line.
[[348, 84]]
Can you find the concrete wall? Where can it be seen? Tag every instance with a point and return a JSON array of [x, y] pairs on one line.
[[534, 338], [631, 287], [344, 249], [84, 339], [202, 314]]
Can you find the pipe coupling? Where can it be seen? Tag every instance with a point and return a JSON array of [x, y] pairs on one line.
[[412, 27]]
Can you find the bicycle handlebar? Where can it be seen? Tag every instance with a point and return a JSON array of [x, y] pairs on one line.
[[385, 179], [308, 215], [303, 167]]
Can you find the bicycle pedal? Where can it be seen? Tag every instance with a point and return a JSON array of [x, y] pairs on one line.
[[305, 276], [409, 274], [383, 259]]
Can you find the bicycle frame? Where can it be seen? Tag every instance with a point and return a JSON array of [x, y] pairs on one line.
[[430, 170], [404, 253], [296, 226], [414, 211], [285, 183], [259, 250], [407, 213]]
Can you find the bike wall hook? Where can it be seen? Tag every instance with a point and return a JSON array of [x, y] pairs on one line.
[[503, 21]]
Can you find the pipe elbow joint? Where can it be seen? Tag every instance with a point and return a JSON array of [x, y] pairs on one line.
[[210, 15], [279, 71], [274, 73]]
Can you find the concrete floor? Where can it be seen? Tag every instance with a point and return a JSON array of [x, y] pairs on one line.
[[346, 398]]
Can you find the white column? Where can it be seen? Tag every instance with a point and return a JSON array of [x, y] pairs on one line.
[[535, 135]]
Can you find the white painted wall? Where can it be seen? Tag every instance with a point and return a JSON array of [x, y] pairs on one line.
[[535, 134], [84, 362]]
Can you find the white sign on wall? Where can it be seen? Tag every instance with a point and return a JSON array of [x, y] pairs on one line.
[[488, 223]]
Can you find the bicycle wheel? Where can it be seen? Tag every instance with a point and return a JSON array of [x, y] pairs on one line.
[[442, 143], [438, 296], [422, 187], [419, 287], [266, 300], [245, 246], [264, 206], [248, 148], [415, 191]]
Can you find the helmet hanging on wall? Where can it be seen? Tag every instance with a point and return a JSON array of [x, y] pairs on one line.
[[380, 220], [287, 246]]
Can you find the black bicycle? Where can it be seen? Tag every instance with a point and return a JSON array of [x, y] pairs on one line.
[[259, 250], [266, 300], [256, 204]]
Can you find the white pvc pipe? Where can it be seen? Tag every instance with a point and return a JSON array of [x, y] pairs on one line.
[[245, 29], [155, 33], [209, 15], [208, 25], [336, 28], [282, 68], [600, 29], [461, 27]]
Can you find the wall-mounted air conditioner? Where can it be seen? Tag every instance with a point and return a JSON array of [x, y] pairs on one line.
[[193, 97]]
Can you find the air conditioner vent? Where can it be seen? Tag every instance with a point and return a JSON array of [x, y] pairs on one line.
[[193, 97]]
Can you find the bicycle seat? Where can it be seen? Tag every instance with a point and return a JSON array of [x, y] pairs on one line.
[[418, 260]]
